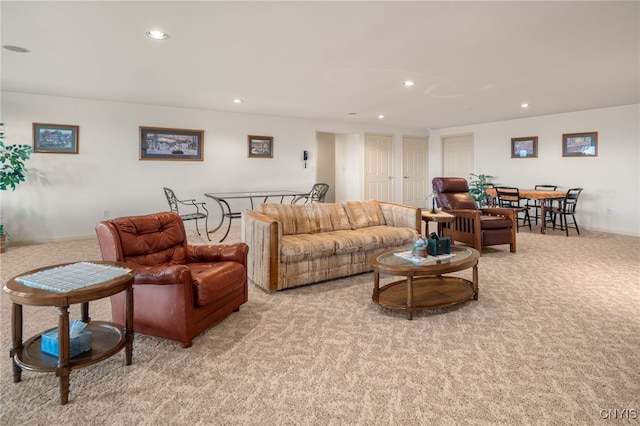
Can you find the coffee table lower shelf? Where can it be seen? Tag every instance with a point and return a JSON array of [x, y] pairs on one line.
[[428, 293]]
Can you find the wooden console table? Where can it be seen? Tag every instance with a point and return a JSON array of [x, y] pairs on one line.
[[107, 338]]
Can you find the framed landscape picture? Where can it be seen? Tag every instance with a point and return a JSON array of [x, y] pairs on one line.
[[161, 143], [580, 144], [260, 146], [524, 147], [55, 138]]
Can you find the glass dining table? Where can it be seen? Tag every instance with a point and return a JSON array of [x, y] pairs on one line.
[[222, 198]]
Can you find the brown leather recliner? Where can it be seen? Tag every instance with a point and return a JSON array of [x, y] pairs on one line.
[[473, 226], [179, 290]]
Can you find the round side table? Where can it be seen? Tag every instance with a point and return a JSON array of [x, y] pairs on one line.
[[107, 338]]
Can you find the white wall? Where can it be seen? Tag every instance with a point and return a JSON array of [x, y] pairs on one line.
[[349, 167], [326, 163], [65, 195], [610, 181]]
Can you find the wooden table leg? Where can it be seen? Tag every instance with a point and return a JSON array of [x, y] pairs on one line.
[[410, 297], [475, 282], [84, 311], [543, 213], [376, 287], [16, 339], [128, 331], [63, 369]]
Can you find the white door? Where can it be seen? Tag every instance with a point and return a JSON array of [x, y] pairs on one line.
[[415, 188], [378, 167], [457, 156]]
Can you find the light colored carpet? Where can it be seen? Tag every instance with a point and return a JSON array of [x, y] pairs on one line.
[[553, 339]]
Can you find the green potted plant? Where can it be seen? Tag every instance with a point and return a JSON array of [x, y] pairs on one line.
[[12, 170], [477, 189]]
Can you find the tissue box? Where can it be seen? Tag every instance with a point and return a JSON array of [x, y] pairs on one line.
[[439, 246], [77, 344]]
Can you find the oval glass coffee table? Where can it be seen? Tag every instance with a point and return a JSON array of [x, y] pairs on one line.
[[425, 286]]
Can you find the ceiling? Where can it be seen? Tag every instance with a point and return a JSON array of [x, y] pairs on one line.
[[473, 62]]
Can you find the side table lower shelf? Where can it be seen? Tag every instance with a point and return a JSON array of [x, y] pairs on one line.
[[107, 339]]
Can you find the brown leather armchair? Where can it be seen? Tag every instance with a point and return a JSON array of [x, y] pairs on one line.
[[473, 226], [179, 290]]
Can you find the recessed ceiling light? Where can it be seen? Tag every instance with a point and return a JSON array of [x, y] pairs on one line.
[[238, 101], [380, 116], [524, 105], [409, 83], [17, 49], [157, 35]]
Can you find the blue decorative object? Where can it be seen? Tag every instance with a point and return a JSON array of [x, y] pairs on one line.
[[77, 344], [436, 247]]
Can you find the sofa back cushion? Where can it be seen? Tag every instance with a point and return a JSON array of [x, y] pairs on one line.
[[329, 216], [364, 213], [293, 218]]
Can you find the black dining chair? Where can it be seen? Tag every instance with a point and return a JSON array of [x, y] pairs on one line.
[[535, 204], [200, 213], [566, 208], [491, 201], [509, 196]]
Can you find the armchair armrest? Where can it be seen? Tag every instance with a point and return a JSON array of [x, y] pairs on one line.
[[471, 214], [265, 234], [218, 253], [401, 216], [466, 227], [163, 275], [500, 211]]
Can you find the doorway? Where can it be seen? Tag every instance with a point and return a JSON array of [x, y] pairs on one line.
[[457, 155], [378, 167], [415, 188]]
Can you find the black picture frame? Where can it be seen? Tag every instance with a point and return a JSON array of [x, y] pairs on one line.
[[580, 144], [163, 143], [526, 147]]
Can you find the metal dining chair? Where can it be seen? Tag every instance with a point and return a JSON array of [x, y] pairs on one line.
[[316, 195], [174, 206]]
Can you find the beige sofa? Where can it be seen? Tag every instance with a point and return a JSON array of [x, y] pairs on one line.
[[292, 245]]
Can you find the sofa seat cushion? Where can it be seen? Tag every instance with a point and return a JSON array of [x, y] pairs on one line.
[[295, 248], [352, 241], [214, 281], [393, 236], [494, 222]]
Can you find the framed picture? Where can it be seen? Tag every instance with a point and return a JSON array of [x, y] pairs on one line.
[[580, 144], [260, 146], [524, 147], [160, 143], [55, 138]]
